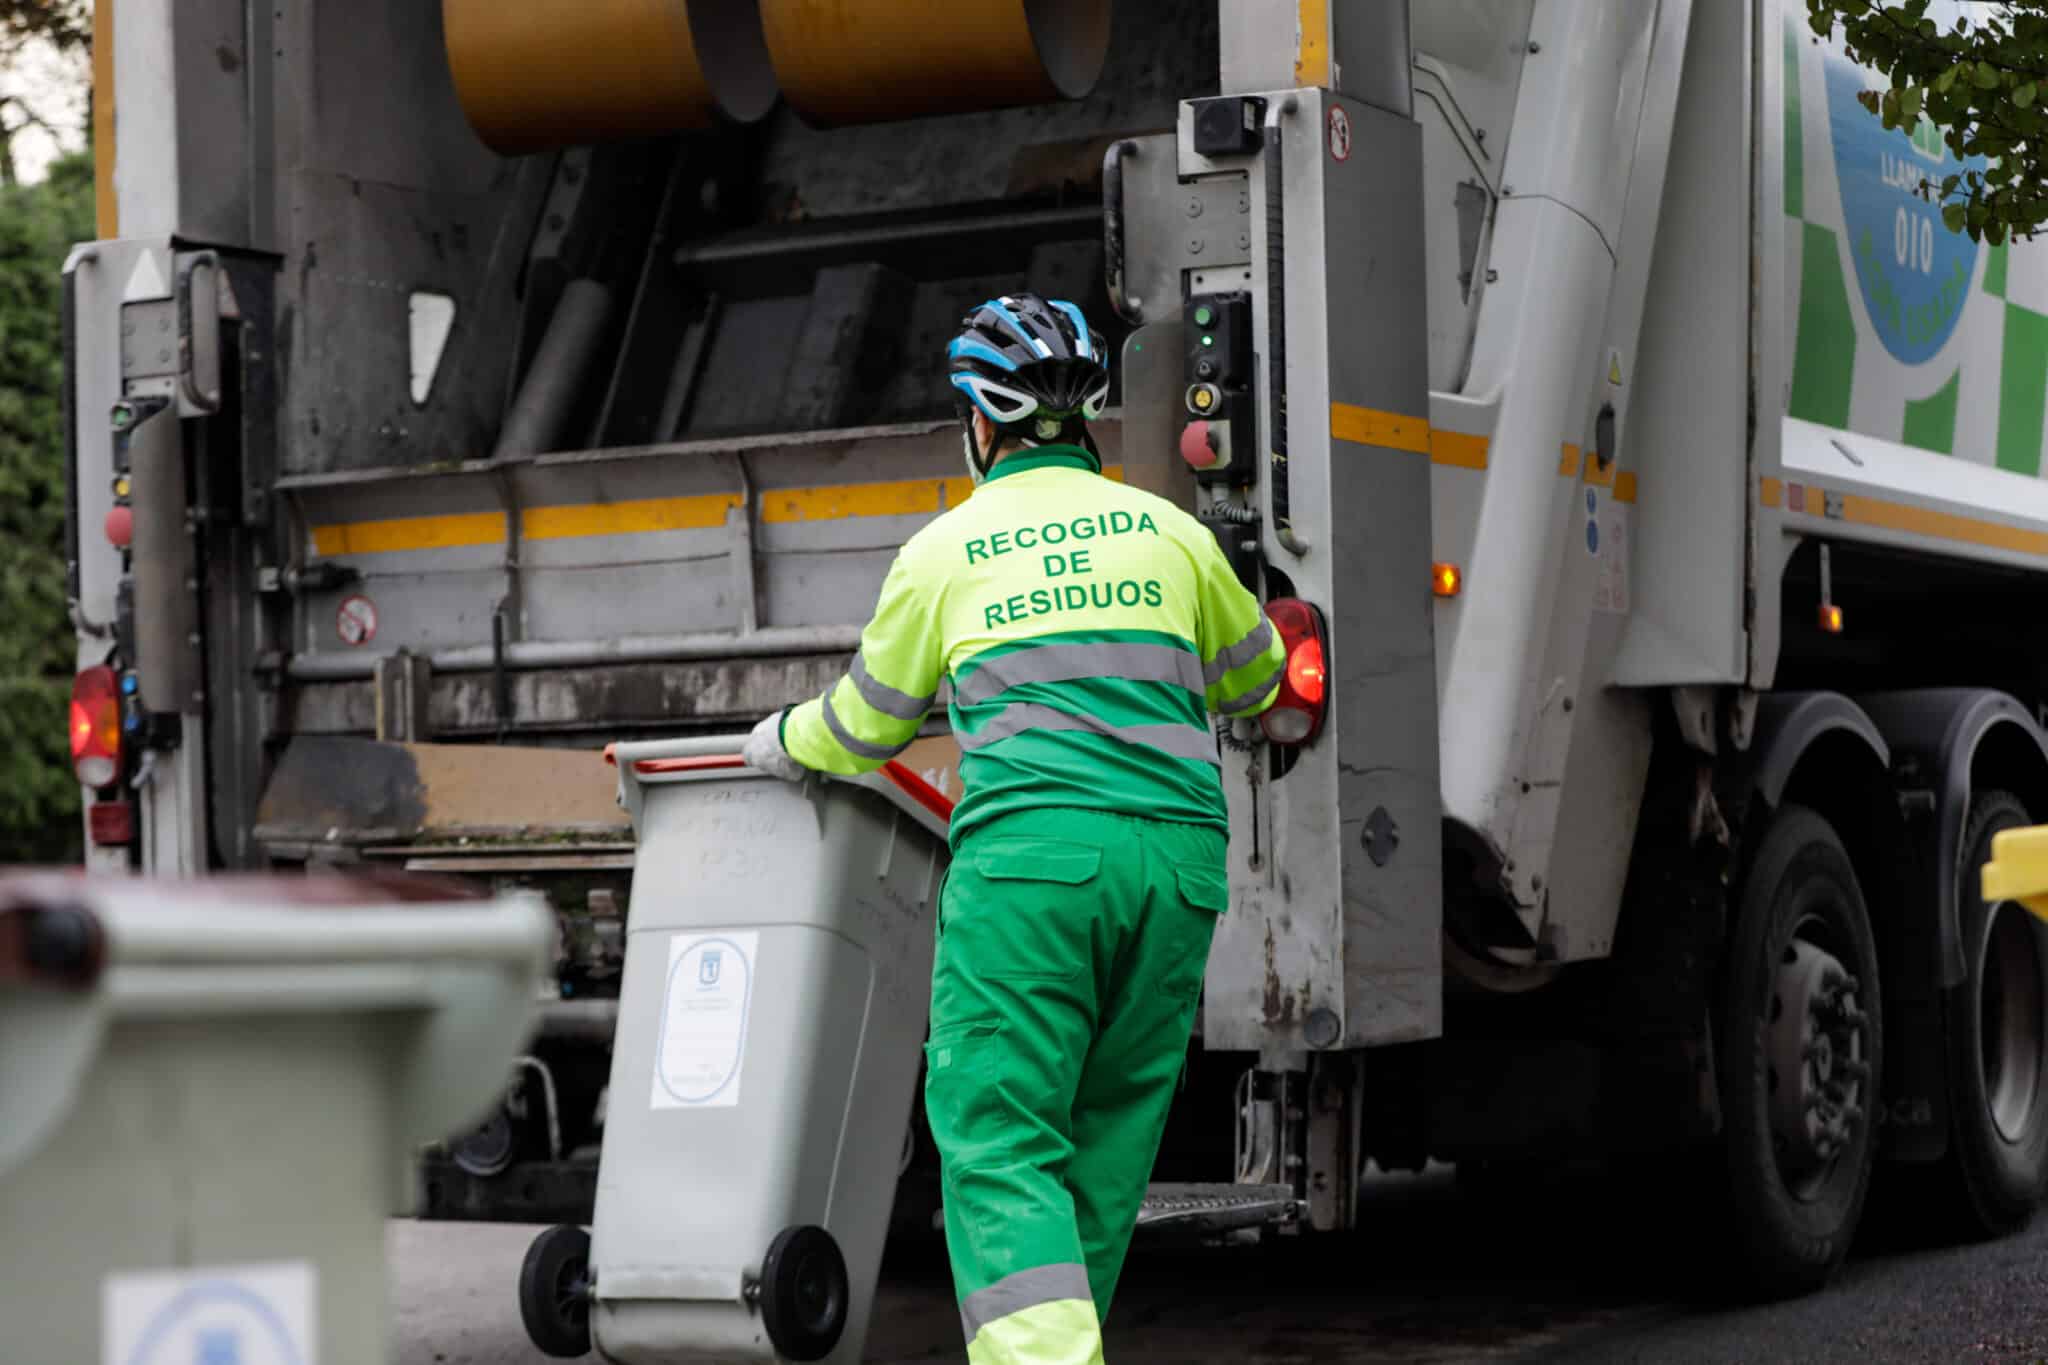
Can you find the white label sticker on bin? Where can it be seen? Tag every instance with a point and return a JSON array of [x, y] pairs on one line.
[[704, 1020], [210, 1315]]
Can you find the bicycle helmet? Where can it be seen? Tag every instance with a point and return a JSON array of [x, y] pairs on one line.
[[1034, 368]]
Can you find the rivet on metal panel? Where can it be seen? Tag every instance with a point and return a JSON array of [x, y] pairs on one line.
[[1195, 207], [1195, 245]]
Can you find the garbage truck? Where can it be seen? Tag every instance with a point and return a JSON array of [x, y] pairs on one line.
[[1652, 480]]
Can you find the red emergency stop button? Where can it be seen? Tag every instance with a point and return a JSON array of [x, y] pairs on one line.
[[121, 526], [1198, 446]]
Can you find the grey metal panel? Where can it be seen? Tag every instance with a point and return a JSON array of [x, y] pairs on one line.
[[167, 654], [414, 611], [1154, 379], [1370, 53], [359, 251], [98, 274], [1335, 930], [744, 373], [382, 189], [606, 699], [646, 598], [833, 376], [1383, 655], [215, 189], [823, 590], [1171, 226], [820, 560]]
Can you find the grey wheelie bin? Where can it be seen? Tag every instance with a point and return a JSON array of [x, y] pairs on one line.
[[211, 1095], [771, 1016]]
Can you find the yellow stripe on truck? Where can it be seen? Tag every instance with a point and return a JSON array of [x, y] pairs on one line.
[[1371, 427], [410, 533], [626, 518], [779, 506]]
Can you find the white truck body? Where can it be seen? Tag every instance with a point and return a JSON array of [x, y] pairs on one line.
[[1628, 314]]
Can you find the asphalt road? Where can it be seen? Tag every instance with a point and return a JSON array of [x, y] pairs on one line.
[[1588, 1270]]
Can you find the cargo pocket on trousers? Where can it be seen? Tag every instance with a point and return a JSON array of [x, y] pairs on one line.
[[958, 1100], [1206, 890], [1034, 917]]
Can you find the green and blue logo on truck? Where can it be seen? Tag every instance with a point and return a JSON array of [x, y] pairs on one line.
[[1904, 330]]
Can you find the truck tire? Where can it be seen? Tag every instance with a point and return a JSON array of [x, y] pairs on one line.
[[1800, 1053], [1997, 1044]]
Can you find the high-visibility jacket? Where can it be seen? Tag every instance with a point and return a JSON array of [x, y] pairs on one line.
[[1087, 629]]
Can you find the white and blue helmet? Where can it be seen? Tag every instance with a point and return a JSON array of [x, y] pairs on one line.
[[1033, 367]]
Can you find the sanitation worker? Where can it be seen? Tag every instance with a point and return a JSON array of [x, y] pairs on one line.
[[1088, 630]]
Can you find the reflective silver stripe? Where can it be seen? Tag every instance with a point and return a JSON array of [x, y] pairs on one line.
[[1239, 654], [883, 697], [1122, 659], [854, 745], [1182, 741], [1022, 1290], [1245, 701]]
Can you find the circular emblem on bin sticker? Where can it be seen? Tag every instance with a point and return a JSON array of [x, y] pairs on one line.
[[355, 620], [704, 1020], [1913, 272], [1340, 133], [251, 1315]]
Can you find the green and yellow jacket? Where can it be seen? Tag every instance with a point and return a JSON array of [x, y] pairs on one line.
[[1087, 630]]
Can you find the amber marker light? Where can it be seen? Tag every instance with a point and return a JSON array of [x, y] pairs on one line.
[[1446, 580], [1831, 618]]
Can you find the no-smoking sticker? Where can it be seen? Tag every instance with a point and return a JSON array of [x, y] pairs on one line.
[[1340, 133], [355, 620]]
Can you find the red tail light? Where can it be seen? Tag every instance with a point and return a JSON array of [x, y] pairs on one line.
[[96, 727], [1296, 715]]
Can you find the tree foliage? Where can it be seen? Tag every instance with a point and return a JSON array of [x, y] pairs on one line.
[[1983, 82], [67, 23], [38, 794]]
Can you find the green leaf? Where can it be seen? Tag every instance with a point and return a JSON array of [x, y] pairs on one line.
[[1945, 81], [1952, 217], [1987, 76], [2024, 96]]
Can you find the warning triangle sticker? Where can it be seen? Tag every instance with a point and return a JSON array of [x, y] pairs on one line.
[[1614, 368], [146, 280]]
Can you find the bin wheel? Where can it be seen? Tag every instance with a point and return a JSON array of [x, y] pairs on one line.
[[554, 1292], [804, 1293]]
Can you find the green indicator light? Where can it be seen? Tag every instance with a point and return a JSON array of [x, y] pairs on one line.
[[1204, 315], [1208, 341]]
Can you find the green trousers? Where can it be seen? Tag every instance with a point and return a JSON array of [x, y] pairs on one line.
[[1071, 951]]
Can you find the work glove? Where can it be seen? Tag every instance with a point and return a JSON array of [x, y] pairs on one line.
[[764, 751]]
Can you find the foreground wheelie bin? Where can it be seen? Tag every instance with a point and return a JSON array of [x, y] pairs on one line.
[[212, 1094], [771, 1016]]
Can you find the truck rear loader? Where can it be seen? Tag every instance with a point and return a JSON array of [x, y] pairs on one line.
[[459, 388]]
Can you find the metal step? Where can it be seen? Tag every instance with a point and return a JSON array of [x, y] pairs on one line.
[[1215, 1208]]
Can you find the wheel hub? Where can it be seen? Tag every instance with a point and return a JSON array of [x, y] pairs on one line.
[[1814, 1051]]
